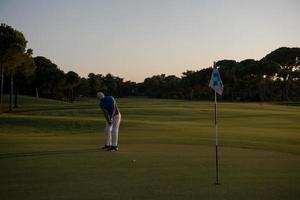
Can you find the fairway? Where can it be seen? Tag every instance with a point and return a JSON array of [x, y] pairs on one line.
[[52, 150]]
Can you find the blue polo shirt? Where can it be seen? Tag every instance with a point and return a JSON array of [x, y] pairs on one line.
[[107, 104]]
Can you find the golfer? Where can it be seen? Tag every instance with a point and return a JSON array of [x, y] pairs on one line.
[[113, 118]]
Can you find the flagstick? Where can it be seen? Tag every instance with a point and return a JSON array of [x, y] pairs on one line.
[[217, 85], [216, 131]]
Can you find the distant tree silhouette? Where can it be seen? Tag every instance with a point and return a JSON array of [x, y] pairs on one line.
[[12, 56], [289, 68]]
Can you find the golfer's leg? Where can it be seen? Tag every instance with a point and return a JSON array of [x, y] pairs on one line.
[[108, 134], [115, 129]]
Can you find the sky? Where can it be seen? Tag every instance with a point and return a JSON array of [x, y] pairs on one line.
[[135, 39]]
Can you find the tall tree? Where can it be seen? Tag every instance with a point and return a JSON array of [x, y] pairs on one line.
[[12, 49], [22, 72], [194, 84], [127, 88], [83, 88], [286, 58], [72, 80], [228, 70], [95, 83], [112, 84], [49, 79], [266, 70]]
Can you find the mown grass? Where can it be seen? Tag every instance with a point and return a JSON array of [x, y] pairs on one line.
[[51, 150]]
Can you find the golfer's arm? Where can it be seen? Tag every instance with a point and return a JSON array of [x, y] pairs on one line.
[[106, 115], [113, 110]]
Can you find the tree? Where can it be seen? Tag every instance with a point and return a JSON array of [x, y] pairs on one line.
[[113, 84], [72, 80], [127, 88], [286, 58], [255, 74], [195, 84], [12, 49], [153, 86], [95, 83], [49, 79], [172, 88], [266, 71], [21, 72], [83, 88], [228, 70]]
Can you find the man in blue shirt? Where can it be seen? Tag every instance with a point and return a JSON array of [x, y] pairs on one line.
[[113, 118]]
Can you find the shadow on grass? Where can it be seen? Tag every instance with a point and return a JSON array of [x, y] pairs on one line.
[[56, 108], [47, 153], [288, 103]]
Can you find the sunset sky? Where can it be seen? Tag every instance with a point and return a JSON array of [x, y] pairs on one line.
[[135, 39]]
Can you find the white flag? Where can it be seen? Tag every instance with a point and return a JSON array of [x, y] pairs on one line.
[[216, 82]]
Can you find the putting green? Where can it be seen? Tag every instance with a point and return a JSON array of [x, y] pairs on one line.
[[51, 150]]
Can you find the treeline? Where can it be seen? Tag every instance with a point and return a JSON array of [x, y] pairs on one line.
[[48, 81], [276, 77]]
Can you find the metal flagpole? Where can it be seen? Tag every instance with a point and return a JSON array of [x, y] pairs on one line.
[[216, 131], [217, 85]]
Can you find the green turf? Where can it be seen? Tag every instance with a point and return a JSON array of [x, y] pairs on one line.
[[51, 150]]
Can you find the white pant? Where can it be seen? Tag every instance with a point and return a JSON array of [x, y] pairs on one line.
[[112, 131]]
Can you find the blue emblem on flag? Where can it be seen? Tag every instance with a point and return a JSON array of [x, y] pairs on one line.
[[215, 82]]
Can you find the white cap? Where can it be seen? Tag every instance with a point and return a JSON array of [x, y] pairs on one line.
[[100, 95]]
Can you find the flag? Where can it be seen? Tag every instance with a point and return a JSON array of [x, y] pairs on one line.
[[215, 81]]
